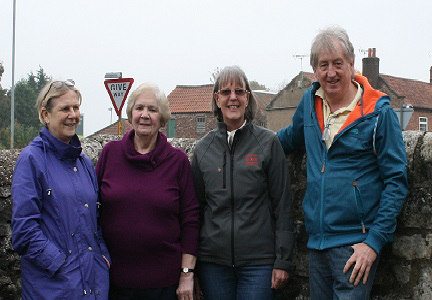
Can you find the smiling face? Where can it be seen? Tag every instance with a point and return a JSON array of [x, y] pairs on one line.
[[232, 106], [146, 118], [334, 72], [63, 118]]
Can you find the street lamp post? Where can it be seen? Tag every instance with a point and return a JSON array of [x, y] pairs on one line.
[[110, 110], [12, 137]]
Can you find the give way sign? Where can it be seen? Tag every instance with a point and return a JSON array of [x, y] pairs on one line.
[[118, 90]]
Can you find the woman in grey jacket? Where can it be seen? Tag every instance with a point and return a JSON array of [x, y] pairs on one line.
[[242, 183]]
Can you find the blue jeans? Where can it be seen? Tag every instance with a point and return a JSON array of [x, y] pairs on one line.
[[235, 283], [327, 280]]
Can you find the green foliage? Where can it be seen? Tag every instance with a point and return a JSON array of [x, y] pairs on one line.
[[22, 135], [27, 122]]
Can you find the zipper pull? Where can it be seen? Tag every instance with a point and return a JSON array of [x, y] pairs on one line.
[[355, 183], [323, 168], [363, 227]]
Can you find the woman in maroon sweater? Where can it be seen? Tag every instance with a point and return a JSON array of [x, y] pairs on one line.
[[149, 211]]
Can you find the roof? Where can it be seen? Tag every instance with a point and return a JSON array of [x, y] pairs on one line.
[[417, 93], [310, 76], [112, 129], [263, 98], [284, 94], [191, 98]]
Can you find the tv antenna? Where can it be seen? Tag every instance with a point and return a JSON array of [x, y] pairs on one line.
[[301, 56], [363, 51]]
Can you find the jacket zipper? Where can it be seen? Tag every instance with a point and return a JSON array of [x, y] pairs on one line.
[[359, 205], [224, 170], [232, 200], [322, 200]]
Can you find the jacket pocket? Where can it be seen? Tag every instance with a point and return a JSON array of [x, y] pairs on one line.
[[359, 204]]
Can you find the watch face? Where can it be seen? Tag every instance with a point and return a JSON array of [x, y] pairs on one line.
[[185, 270]]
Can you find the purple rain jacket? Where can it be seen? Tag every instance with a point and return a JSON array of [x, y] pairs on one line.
[[54, 228]]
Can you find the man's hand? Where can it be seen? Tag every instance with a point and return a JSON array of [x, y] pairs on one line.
[[363, 258], [279, 277]]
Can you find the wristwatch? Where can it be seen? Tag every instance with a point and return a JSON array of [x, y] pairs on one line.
[[186, 270]]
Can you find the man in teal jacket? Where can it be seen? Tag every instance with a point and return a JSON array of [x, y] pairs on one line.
[[356, 170]]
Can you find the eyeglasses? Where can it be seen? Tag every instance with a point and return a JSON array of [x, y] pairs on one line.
[[60, 84], [227, 92]]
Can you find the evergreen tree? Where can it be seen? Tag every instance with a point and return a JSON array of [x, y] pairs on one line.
[[27, 122]]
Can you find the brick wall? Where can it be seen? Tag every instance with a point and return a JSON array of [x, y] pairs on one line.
[[186, 124]]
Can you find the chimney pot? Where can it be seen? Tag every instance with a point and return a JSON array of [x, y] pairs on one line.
[[430, 79], [373, 52], [369, 52]]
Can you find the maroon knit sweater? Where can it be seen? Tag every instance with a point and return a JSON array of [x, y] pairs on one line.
[[149, 212]]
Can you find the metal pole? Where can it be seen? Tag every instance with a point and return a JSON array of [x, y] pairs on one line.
[[13, 81], [401, 116]]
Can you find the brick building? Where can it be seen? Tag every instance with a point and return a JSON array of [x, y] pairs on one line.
[[402, 92], [191, 112]]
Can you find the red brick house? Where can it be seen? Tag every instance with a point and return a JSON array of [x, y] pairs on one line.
[[402, 92], [191, 113]]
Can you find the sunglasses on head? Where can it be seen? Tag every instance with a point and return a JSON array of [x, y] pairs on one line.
[[60, 84], [227, 92]]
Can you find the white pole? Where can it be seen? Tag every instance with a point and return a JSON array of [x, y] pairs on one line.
[[13, 81]]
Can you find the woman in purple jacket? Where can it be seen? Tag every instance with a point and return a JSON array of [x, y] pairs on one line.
[[55, 194], [149, 212]]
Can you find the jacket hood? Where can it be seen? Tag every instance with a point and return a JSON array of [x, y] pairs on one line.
[[61, 150], [148, 161]]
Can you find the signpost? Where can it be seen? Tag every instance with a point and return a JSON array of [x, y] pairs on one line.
[[404, 114], [118, 90]]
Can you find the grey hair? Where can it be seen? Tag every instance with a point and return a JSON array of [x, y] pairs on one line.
[[325, 41], [161, 100], [233, 74]]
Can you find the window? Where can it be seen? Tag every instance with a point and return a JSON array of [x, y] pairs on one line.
[[423, 124], [200, 124], [171, 128]]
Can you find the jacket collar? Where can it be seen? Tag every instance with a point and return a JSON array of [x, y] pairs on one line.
[[222, 128], [61, 150], [368, 102], [148, 161]]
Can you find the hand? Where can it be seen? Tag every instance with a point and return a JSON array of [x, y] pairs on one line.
[[363, 258], [197, 289], [107, 262], [186, 287], [279, 278]]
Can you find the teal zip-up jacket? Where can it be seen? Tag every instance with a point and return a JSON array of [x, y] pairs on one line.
[[356, 188]]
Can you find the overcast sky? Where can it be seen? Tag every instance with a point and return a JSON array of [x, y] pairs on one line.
[[171, 42]]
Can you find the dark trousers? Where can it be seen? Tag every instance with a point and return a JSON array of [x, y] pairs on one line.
[[118, 293]]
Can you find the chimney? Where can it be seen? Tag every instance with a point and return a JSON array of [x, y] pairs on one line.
[[430, 78], [371, 68]]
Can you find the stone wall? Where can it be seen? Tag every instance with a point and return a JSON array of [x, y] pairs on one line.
[[405, 269]]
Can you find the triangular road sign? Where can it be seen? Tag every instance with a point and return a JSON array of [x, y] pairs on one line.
[[118, 90]]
